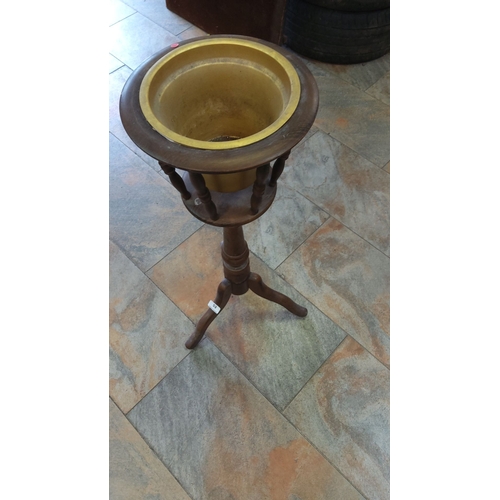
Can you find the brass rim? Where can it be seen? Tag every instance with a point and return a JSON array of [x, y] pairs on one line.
[[168, 133]]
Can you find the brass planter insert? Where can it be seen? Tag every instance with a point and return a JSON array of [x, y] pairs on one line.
[[220, 93]]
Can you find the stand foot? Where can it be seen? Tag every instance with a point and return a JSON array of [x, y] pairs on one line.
[[238, 279], [221, 299], [258, 287]]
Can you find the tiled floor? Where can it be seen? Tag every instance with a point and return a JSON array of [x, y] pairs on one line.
[[269, 406]]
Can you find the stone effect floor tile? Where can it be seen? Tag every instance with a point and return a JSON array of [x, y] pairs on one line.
[[348, 280], [273, 348], [118, 11], [354, 118], [156, 11], [344, 412], [222, 440], [315, 67], [116, 82], [190, 274], [313, 130], [147, 217], [146, 332], [387, 168], [288, 223], [129, 43], [381, 89], [346, 185], [135, 472]]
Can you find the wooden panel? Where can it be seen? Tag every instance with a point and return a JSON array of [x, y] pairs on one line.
[[259, 18]]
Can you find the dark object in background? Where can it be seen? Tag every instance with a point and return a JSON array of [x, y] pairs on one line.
[[335, 36], [352, 5], [257, 18]]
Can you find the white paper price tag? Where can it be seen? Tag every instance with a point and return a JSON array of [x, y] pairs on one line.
[[215, 308]]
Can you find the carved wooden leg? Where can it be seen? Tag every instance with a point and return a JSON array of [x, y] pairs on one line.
[[259, 187], [221, 299], [204, 194], [175, 179], [278, 168], [257, 286]]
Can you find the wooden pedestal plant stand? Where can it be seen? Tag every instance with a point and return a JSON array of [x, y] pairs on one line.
[[240, 151]]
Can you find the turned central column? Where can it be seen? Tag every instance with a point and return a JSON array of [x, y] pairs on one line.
[[234, 250]]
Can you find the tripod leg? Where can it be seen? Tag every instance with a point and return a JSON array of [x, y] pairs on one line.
[[221, 299], [258, 287]]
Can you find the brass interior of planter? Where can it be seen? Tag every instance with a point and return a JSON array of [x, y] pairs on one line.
[[220, 93], [228, 183]]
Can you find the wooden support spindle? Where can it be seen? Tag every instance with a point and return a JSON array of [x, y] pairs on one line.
[[204, 194], [259, 187], [278, 167], [175, 179]]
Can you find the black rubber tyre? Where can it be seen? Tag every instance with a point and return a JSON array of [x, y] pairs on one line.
[[336, 37], [352, 5]]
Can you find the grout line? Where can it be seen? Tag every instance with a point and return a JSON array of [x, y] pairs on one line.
[[371, 244], [377, 98], [123, 19], [314, 203], [301, 243], [304, 140], [319, 368], [361, 237], [345, 339], [116, 404], [118, 139], [173, 303], [322, 454], [150, 449], [347, 146], [170, 184], [160, 381], [153, 19], [145, 441], [188, 28], [243, 374], [352, 149], [167, 254], [191, 351], [375, 83], [119, 67], [310, 300], [114, 71], [176, 306], [312, 304], [144, 438], [124, 253], [280, 412], [343, 223]]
